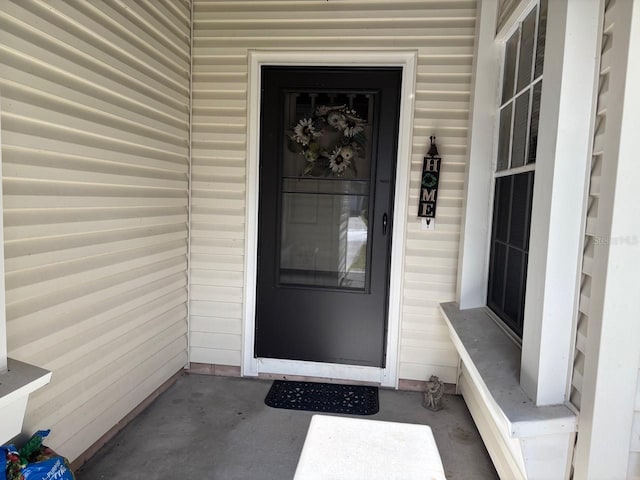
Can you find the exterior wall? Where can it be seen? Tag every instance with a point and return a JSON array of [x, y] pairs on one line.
[[224, 31], [95, 149], [633, 472]]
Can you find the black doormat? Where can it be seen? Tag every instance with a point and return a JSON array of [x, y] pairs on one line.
[[323, 397]]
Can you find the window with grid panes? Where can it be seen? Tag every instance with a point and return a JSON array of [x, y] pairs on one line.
[[515, 168]]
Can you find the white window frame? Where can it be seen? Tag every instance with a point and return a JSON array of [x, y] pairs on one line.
[[3, 315], [510, 171], [562, 169]]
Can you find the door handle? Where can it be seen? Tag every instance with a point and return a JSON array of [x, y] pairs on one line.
[[385, 220]]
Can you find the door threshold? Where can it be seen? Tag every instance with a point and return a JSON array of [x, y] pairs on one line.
[[301, 378], [326, 372]]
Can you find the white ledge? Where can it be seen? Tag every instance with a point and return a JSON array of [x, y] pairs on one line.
[[16, 384], [493, 359]]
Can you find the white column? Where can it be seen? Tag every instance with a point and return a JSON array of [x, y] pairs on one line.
[[476, 223], [562, 170], [613, 344]]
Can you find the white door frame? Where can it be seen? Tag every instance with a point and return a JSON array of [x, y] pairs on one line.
[[252, 366]]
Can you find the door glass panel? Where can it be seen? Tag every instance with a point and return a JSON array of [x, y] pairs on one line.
[[325, 186]]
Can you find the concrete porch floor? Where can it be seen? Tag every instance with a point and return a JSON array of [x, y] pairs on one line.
[[209, 427]]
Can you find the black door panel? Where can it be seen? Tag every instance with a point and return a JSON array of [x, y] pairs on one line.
[[327, 170]]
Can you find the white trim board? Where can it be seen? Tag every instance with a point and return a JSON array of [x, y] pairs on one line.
[[17, 383], [560, 187], [524, 440], [407, 60], [611, 364], [3, 316]]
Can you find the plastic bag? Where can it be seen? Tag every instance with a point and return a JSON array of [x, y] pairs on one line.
[[35, 461], [12, 465]]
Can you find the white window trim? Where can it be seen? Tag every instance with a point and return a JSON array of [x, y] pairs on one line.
[[3, 315], [252, 366], [562, 169], [562, 172]]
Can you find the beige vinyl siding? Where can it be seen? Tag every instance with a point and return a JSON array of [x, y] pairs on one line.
[[95, 150], [443, 34], [590, 239]]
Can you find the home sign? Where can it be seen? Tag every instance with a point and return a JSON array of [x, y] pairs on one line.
[[429, 186]]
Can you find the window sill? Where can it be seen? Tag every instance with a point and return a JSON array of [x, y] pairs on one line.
[[493, 362], [16, 384]]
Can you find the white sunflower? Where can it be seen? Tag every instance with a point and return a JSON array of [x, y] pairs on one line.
[[335, 153], [304, 131], [347, 152], [336, 120], [337, 162]]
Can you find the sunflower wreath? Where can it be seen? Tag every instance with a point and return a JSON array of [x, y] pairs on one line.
[[329, 140]]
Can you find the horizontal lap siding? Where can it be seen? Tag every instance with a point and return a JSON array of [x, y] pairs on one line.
[[443, 34], [95, 131]]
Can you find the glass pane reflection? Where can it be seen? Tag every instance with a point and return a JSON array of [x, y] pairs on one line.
[[326, 172], [324, 240]]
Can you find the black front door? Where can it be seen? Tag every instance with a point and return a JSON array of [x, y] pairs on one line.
[[327, 173]]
